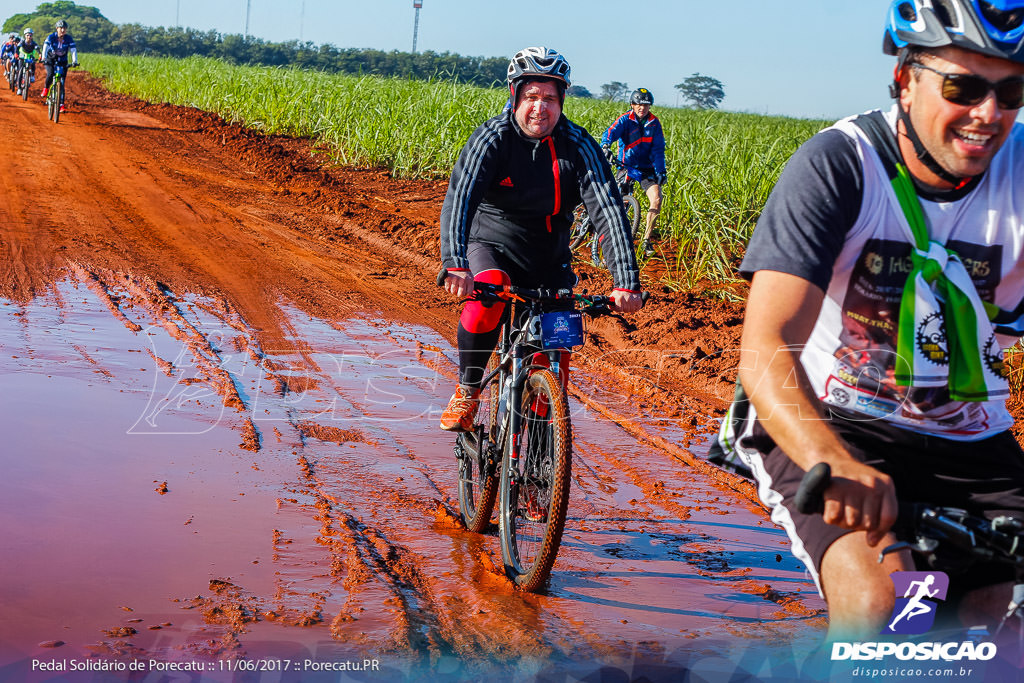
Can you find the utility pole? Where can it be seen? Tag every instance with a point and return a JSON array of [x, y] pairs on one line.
[[248, 6], [416, 24]]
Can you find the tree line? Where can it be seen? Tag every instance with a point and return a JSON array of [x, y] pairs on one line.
[[95, 33]]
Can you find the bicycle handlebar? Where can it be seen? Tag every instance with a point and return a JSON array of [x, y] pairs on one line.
[[1000, 539], [810, 497], [593, 304]]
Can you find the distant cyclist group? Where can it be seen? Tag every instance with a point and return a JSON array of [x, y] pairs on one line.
[[19, 55]]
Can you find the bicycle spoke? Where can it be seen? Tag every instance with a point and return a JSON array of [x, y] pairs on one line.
[[478, 485], [535, 488]]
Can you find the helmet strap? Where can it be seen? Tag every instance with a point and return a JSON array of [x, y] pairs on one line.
[[923, 155]]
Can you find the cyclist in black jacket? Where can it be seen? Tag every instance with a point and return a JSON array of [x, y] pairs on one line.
[[507, 213]]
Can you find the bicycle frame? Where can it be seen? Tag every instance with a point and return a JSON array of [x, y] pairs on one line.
[[512, 372], [25, 71], [55, 98]]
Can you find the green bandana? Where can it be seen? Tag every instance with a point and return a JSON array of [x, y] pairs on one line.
[[944, 334]]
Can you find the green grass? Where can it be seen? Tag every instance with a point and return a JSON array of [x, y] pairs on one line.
[[722, 166]]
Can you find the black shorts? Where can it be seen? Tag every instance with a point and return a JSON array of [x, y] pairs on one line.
[[487, 256], [985, 477]]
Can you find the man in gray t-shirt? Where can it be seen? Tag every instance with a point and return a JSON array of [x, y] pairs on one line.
[[828, 263]]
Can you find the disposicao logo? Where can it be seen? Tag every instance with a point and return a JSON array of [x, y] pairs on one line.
[[917, 594], [917, 599]]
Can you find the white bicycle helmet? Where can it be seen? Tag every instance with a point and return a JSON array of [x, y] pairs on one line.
[[541, 62], [537, 62], [29, 32]]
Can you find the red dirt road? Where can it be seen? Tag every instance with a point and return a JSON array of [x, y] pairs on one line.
[[223, 365]]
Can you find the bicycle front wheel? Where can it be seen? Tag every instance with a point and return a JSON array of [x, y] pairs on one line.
[[535, 485], [580, 228], [478, 473], [55, 98], [633, 214], [23, 82]]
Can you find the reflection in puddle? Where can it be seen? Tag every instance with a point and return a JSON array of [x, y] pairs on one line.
[[306, 498]]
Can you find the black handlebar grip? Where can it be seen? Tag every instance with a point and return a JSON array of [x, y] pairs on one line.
[[810, 496], [441, 277]]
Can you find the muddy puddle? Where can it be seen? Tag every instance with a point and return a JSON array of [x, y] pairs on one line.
[[175, 492]]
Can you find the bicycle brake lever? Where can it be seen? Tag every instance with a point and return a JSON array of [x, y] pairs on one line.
[[892, 549]]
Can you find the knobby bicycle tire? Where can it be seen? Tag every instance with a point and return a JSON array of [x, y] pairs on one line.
[[580, 229], [534, 494], [478, 483], [55, 92], [633, 213], [23, 81]]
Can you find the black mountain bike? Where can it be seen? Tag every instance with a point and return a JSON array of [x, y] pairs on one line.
[[583, 228], [55, 98], [938, 533], [26, 71], [10, 69], [520, 449]]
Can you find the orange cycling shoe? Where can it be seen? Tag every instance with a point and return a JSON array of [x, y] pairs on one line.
[[461, 410]]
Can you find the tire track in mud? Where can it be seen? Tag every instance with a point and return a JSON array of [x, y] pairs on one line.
[[371, 557], [383, 564]]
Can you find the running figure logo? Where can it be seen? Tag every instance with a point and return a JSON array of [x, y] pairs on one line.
[[917, 594]]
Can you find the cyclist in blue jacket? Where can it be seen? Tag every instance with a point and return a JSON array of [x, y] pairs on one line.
[[9, 52], [57, 47], [641, 154]]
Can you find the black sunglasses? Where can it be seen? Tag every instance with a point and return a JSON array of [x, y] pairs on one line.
[[970, 89]]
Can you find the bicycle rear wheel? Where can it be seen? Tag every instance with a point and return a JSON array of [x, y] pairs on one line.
[[535, 486], [476, 450]]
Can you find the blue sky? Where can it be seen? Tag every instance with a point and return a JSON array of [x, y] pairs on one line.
[[808, 58]]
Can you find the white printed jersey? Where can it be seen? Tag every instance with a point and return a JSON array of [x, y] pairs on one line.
[[834, 220]]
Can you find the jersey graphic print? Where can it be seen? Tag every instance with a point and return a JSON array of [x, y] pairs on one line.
[[863, 378], [917, 594]]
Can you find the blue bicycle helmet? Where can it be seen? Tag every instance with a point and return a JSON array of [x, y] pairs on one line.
[[991, 27]]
